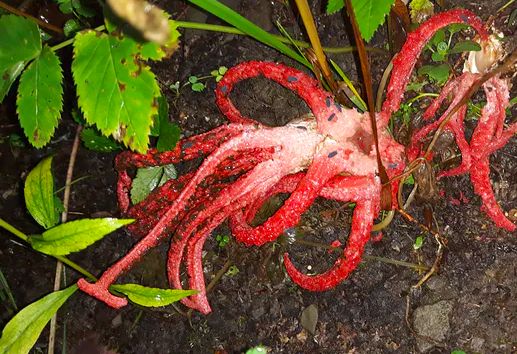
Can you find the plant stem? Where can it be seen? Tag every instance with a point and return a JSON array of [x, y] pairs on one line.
[[39, 22], [367, 257], [71, 40], [301, 44], [64, 217], [5, 225]]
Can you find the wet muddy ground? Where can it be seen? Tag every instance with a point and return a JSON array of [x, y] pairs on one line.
[[471, 304]]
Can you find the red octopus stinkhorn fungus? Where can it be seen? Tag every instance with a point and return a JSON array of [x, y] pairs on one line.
[[329, 154]]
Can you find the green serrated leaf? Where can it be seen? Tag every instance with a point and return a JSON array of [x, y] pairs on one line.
[[39, 194], [75, 235], [40, 98], [370, 15], [22, 331], [151, 297], [9, 76], [155, 51], [116, 92], [334, 6], [465, 46], [437, 73], [93, 140], [169, 133], [71, 26], [20, 43]]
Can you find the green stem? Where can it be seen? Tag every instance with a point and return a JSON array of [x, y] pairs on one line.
[[422, 95], [65, 260], [233, 30], [71, 40]]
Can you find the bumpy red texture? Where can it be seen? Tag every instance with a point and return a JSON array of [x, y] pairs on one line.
[[329, 154]]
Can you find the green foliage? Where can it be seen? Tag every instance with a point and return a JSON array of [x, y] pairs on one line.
[[458, 351], [22, 331], [71, 26], [260, 349], [20, 43], [168, 133], [75, 235], [151, 297], [147, 179], [39, 195], [437, 73], [40, 98], [370, 15], [226, 14], [218, 74], [116, 91], [419, 242], [76, 7], [6, 296], [232, 271], [334, 6], [93, 140], [440, 47], [222, 240], [195, 84], [420, 9]]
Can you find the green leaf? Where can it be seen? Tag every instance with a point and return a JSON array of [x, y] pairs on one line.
[[228, 15], [437, 73], [92, 140], [419, 241], [75, 235], [20, 43], [151, 297], [39, 194], [147, 179], [169, 133], [370, 15], [22, 331], [82, 10], [437, 56], [155, 51], [465, 46], [198, 86], [438, 37], [456, 27], [334, 6], [71, 26], [40, 98], [116, 91], [8, 78], [65, 6]]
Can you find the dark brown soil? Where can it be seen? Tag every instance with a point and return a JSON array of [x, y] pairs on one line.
[[471, 304]]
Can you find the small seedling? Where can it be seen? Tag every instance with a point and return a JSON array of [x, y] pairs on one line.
[[222, 240], [196, 83], [218, 74], [419, 242], [232, 271], [440, 47]]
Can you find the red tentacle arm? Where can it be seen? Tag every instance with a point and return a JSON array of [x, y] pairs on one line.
[[330, 160], [365, 212], [404, 62], [149, 211], [487, 135], [186, 149]]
